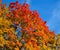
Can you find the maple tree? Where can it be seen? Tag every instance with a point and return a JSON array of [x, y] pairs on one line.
[[33, 33]]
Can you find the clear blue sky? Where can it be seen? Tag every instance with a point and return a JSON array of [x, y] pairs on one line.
[[49, 11]]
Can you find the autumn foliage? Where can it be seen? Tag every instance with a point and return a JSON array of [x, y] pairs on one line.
[[33, 33]]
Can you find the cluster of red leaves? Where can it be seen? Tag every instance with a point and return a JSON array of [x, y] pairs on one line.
[[29, 20]]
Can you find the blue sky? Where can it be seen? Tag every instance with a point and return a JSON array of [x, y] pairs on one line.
[[49, 10]]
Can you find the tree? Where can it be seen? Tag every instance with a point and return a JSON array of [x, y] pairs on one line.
[[33, 33]]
